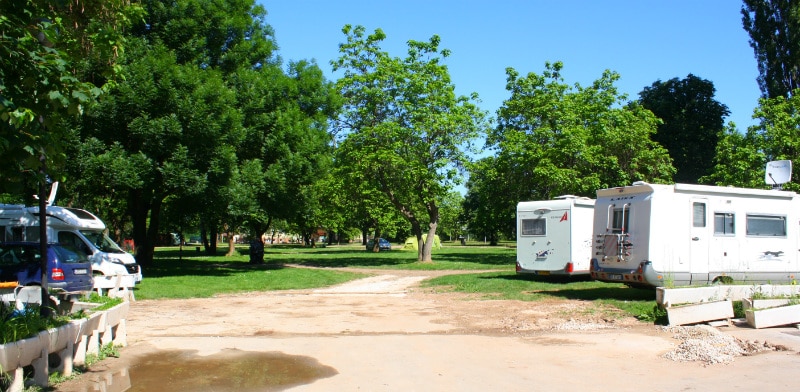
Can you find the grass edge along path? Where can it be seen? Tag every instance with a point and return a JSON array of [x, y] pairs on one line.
[[189, 273]]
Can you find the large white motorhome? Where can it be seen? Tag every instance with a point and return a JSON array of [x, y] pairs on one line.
[[554, 237], [681, 234], [112, 267]]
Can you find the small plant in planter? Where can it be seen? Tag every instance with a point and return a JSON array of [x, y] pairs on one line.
[[21, 324]]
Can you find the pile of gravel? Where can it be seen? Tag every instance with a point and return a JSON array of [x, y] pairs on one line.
[[573, 325], [708, 345]]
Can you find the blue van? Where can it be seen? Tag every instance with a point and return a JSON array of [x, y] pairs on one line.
[[69, 270]]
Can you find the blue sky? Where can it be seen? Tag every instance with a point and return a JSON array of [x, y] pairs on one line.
[[644, 41]]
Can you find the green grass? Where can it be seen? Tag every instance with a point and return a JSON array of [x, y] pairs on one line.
[[188, 273], [639, 303]]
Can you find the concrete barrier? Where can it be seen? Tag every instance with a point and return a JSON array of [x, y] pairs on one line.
[[70, 343], [764, 313]]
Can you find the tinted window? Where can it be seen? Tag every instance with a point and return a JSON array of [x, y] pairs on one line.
[[70, 254], [18, 255], [769, 226], [534, 226], [724, 223]]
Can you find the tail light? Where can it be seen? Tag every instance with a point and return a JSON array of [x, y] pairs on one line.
[[570, 268], [57, 274]]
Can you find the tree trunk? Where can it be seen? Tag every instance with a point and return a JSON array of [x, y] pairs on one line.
[[427, 251], [376, 244], [138, 210], [231, 245]]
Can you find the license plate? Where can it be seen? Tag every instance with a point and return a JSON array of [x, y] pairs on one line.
[[543, 273], [80, 271], [615, 276]]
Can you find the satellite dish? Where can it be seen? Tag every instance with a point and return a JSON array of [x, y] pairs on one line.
[[778, 173]]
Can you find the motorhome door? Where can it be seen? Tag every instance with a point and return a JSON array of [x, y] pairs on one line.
[[700, 236]]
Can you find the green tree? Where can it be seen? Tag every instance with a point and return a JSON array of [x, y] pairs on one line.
[[691, 123], [450, 209], [554, 139], [488, 211], [43, 43], [774, 29], [741, 158], [407, 128]]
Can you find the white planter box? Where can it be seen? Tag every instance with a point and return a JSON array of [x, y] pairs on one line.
[[773, 317], [668, 297], [698, 313], [763, 303]]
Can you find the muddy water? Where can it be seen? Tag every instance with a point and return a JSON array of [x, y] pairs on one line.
[[227, 371]]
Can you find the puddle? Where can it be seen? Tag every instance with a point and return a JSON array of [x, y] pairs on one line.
[[227, 371]]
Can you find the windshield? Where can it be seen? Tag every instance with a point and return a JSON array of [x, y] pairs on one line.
[[101, 241]]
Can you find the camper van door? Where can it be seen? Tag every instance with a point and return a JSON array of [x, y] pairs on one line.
[[700, 234]]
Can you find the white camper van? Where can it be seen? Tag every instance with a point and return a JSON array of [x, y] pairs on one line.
[[659, 235], [111, 265], [554, 237]]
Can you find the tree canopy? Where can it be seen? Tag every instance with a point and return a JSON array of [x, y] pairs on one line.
[[555, 139], [405, 128], [692, 121], [774, 29]]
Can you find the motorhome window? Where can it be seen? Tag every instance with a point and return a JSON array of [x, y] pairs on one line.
[[101, 241], [32, 233], [699, 215], [619, 222], [534, 226], [81, 214], [70, 239], [767, 226], [723, 223], [17, 234]]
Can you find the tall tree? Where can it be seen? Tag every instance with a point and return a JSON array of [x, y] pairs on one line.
[[774, 28], [555, 139], [741, 158], [488, 210], [692, 121], [43, 43], [407, 129]]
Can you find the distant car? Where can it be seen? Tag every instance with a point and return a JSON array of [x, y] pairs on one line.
[[382, 244], [69, 270]]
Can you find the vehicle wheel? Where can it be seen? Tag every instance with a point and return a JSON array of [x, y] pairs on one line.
[[722, 280]]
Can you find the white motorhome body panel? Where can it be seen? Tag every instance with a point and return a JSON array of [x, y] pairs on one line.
[[695, 234], [21, 223], [554, 236]]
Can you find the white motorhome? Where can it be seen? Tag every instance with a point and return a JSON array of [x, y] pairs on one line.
[[554, 237], [112, 267], [681, 234]]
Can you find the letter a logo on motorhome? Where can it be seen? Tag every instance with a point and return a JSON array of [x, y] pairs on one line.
[[563, 217]]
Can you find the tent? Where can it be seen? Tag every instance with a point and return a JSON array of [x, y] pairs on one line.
[[411, 242]]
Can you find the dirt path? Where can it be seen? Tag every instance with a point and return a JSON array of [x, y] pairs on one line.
[[385, 334]]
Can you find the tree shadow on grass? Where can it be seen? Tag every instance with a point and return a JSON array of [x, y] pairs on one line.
[[583, 288], [164, 267]]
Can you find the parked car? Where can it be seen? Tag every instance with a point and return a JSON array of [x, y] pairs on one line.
[[69, 270], [382, 244]]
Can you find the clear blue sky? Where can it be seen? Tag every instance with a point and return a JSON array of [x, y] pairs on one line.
[[642, 40]]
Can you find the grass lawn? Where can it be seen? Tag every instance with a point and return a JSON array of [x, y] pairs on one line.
[[188, 273]]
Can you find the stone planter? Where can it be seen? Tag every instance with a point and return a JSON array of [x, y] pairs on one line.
[[666, 297], [772, 317], [699, 312], [61, 341], [15, 355], [763, 303], [70, 343]]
